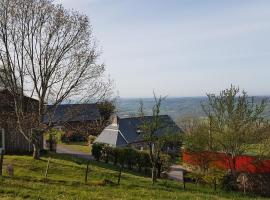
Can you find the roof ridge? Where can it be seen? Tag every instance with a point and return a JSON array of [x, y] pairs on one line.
[[136, 117]]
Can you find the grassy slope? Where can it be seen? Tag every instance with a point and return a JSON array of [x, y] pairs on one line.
[[66, 181]]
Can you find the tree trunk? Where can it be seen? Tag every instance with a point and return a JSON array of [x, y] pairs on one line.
[[233, 168], [158, 171], [154, 174], [119, 175], [36, 151]]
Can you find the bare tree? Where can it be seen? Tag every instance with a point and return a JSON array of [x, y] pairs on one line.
[[48, 53]]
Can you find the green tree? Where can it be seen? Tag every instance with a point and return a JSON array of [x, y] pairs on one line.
[[234, 120]]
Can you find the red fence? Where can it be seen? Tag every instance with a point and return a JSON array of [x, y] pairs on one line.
[[250, 164]]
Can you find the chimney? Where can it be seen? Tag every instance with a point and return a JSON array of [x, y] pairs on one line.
[[115, 120]]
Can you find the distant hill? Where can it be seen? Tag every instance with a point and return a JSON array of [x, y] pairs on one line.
[[175, 107]]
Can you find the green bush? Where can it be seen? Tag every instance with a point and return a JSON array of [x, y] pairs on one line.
[[54, 134], [229, 182], [128, 157], [97, 150]]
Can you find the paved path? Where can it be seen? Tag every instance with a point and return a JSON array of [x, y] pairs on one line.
[[64, 150], [176, 173]]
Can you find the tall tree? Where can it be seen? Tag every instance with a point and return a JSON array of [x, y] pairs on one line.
[[47, 52], [234, 120]]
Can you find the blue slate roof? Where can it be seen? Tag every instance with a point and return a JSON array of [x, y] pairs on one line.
[[126, 130], [73, 113]]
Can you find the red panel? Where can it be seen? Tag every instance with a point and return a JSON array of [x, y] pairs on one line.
[[250, 164]]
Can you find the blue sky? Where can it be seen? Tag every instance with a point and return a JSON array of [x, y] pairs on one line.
[[182, 47]]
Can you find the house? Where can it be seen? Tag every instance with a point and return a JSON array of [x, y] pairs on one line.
[[13, 140], [126, 131], [75, 118]]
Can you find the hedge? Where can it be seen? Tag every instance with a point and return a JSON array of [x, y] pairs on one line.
[[127, 157]]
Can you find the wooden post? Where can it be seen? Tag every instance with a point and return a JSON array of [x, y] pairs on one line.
[[215, 184], [119, 175], [86, 172], [47, 168], [1, 162], [184, 180]]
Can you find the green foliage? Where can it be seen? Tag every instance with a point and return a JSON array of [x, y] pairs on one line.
[[106, 109], [165, 161], [234, 120], [55, 134], [214, 177], [97, 150], [129, 157], [198, 139], [229, 183]]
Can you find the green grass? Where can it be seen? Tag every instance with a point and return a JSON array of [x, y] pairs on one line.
[[66, 181], [77, 146]]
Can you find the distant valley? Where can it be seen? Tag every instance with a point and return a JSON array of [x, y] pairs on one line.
[[175, 107]]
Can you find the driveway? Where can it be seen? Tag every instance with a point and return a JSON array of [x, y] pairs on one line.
[[64, 150]]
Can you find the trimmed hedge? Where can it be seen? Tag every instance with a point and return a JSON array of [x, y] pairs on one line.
[[128, 157]]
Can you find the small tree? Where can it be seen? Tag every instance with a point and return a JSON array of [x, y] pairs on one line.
[[149, 130]]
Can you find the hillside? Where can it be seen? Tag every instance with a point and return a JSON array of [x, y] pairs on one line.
[[175, 107], [66, 181]]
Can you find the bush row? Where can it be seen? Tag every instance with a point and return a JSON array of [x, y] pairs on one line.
[[128, 157]]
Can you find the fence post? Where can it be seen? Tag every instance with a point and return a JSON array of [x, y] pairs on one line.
[[184, 180], [86, 172], [1, 161], [119, 175], [47, 168]]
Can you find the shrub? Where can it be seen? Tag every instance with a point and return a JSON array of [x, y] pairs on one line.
[[97, 150], [128, 157], [54, 134], [214, 177], [107, 153], [229, 182]]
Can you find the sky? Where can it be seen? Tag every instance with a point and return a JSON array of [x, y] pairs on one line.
[[181, 48]]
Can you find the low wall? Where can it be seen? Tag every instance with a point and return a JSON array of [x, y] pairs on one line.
[[248, 164]]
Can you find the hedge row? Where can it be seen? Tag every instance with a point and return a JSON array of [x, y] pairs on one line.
[[128, 157]]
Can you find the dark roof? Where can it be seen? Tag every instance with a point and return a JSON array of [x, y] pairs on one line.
[[126, 130], [73, 113], [7, 102]]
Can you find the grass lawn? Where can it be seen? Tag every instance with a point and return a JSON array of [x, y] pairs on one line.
[[66, 181], [77, 146]]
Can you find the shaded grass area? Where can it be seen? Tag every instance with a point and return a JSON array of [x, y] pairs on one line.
[[66, 181], [77, 146]]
